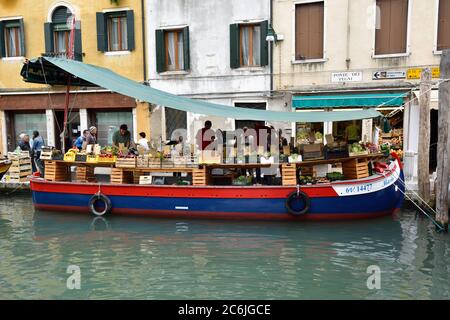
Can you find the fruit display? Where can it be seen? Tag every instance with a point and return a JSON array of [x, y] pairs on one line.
[[335, 176], [356, 149]]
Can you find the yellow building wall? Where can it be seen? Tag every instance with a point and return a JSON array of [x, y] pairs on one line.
[[143, 118], [35, 14], [2, 117]]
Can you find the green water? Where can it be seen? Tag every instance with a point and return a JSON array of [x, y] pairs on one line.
[[141, 258]]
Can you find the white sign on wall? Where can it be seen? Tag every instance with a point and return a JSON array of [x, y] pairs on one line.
[[346, 76]]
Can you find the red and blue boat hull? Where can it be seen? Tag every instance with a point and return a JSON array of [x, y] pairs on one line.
[[364, 198]]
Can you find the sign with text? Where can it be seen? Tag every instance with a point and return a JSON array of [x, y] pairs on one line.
[[347, 76], [384, 75], [415, 73]]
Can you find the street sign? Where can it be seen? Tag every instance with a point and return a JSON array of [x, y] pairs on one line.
[[346, 76], [415, 73], [384, 75]]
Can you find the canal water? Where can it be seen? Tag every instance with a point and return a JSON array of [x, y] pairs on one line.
[[139, 258]]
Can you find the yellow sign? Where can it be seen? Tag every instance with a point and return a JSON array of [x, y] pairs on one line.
[[415, 73]]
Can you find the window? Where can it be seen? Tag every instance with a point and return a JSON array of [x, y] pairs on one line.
[[115, 31], [391, 33], [109, 122], [172, 50], [443, 40], [57, 34], [248, 45], [12, 43], [309, 31]]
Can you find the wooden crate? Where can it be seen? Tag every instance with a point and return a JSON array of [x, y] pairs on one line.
[[289, 174], [17, 156], [120, 176], [46, 155], [55, 171], [200, 176], [126, 163], [142, 161], [355, 169], [307, 171], [85, 174]]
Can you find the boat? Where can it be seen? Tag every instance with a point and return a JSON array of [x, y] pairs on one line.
[[374, 196], [379, 194], [4, 167]]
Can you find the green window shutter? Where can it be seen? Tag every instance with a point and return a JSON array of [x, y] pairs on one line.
[[2, 40], [22, 38], [160, 51], [264, 45], [78, 49], [48, 33], [234, 46], [102, 44], [130, 29], [186, 48]]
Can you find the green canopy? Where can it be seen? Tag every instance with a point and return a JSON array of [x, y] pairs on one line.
[[86, 73], [349, 100]]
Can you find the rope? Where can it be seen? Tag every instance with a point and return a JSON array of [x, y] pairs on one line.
[[437, 224]]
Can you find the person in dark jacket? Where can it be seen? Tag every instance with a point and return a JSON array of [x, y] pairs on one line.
[[24, 145]]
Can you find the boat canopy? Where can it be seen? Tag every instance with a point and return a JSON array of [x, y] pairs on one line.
[[56, 71]]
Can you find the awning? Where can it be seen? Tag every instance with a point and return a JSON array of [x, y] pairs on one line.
[[57, 70], [434, 99], [349, 100]]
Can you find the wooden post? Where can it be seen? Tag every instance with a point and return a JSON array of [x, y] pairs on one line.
[[424, 135], [443, 165]]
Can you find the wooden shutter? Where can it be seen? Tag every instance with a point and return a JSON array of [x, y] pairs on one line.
[[391, 36], [78, 49], [160, 51], [130, 29], [186, 48], [234, 46], [309, 31], [2, 40], [264, 52], [443, 41], [102, 44], [22, 37], [48, 34]]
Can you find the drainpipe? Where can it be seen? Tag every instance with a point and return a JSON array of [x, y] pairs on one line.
[[271, 48], [143, 42], [348, 60]]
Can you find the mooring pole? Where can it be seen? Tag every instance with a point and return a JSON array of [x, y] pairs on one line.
[[424, 135], [443, 149]]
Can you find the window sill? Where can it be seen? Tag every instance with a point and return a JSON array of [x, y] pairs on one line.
[[174, 73], [13, 58], [254, 68], [309, 61], [394, 55], [117, 53]]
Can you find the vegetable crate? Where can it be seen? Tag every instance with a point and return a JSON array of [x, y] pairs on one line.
[[91, 158], [70, 157], [120, 176], [355, 169], [85, 174], [126, 163], [200, 176], [106, 159], [55, 171], [289, 174]]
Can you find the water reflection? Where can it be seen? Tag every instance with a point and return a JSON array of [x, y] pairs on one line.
[[143, 258]]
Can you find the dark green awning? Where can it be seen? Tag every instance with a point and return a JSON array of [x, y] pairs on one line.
[[349, 100], [57, 71]]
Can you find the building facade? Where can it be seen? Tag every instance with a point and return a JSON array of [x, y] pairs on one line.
[[337, 54], [107, 33], [211, 50]]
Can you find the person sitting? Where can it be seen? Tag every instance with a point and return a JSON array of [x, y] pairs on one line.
[[122, 136]]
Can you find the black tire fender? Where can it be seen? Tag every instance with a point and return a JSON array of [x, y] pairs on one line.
[[295, 195], [100, 197]]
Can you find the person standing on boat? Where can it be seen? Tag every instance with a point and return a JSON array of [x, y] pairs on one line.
[[36, 150], [143, 141], [79, 141], [90, 137], [352, 133], [205, 136], [122, 136]]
